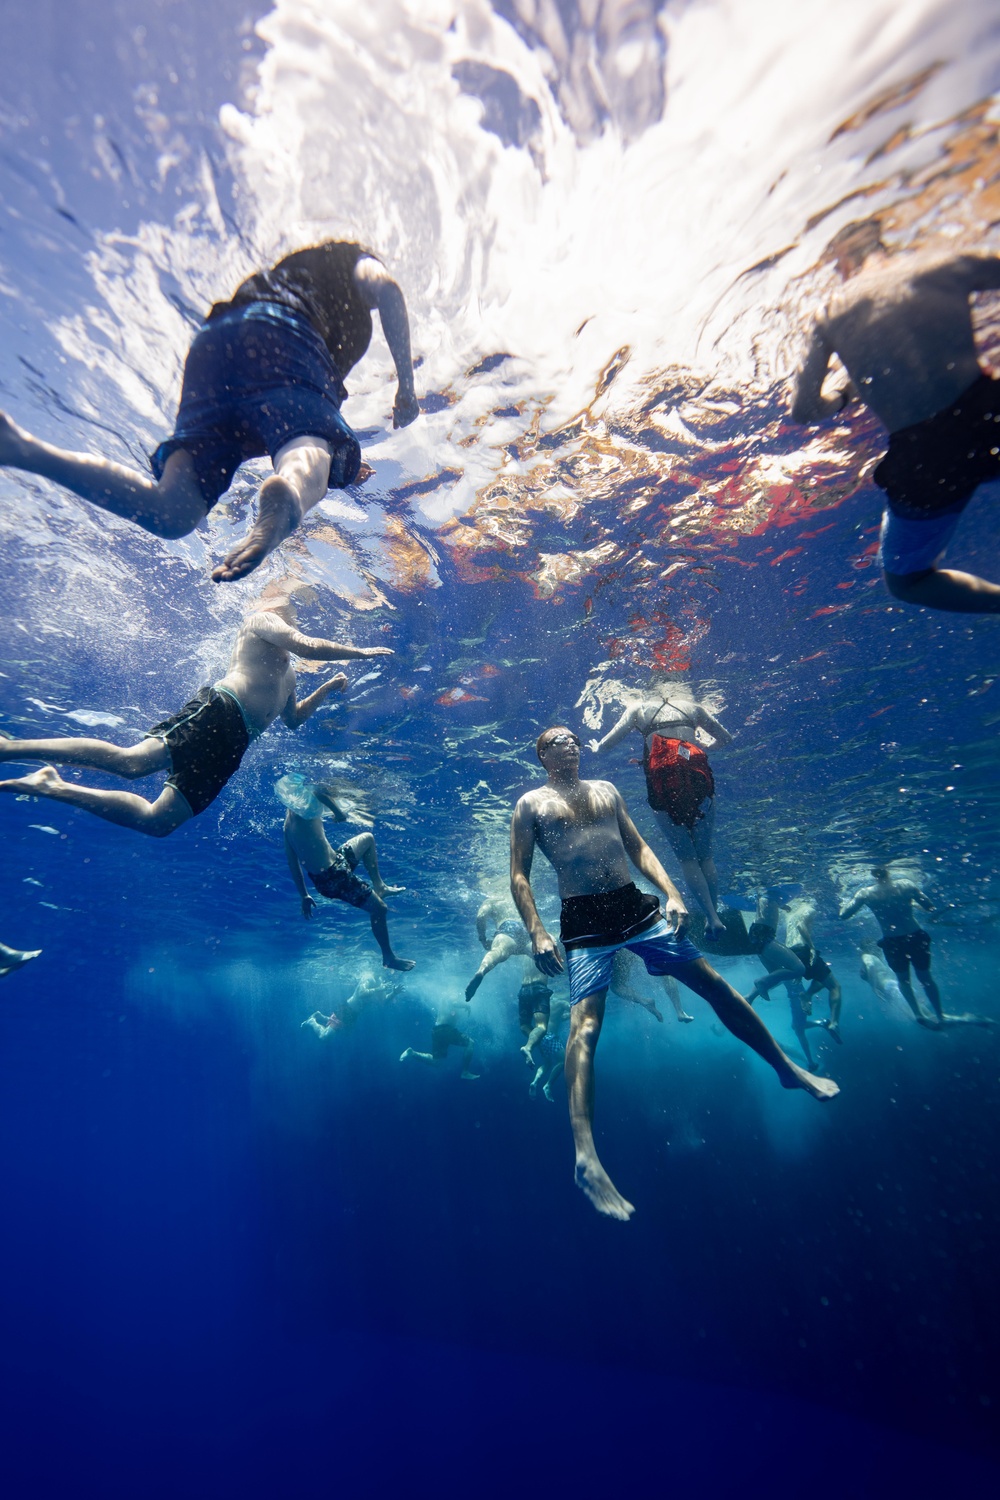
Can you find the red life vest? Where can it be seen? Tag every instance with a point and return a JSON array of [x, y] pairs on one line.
[[678, 779]]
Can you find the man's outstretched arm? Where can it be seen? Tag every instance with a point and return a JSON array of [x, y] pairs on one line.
[[647, 864], [615, 734], [853, 907], [809, 405], [296, 713], [278, 633], [381, 292], [522, 848]]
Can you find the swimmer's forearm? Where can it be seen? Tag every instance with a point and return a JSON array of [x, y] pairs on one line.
[[524, 900], [396, 327], [647, 864], [311, 649]]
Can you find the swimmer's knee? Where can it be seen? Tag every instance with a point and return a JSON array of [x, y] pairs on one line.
[[906, 586], [376, 905]]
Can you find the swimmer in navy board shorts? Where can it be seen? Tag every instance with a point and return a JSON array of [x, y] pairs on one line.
[[902, 326], [509, 938], [202, 745], [584, 831], [264, 375]]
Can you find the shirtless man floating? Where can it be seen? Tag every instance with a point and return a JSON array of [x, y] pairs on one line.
[[903, 942], [680, 787], [584, 830], [332, 870], [902, 326], [265, 375], [202, 745]]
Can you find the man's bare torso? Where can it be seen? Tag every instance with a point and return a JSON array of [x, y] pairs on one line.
[[892, 908], [577, 831], [903, 329], [260, 675], [308, 838]]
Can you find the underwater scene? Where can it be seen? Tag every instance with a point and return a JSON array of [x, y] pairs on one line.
[[500, 898]]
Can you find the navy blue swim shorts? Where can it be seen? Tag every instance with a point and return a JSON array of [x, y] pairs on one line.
[[256, 377]]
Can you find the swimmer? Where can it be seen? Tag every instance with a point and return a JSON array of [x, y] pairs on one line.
[[510, 937], [534, 1001], [876, 972], [553, 1049], [902, 327], [798, 940], [622, 985], [903, 942], [680, 787], [584, 831], [762, 940], [200, 747], [332, 870], [445, 1035], [370, 989], [264, 375], [15, 958]]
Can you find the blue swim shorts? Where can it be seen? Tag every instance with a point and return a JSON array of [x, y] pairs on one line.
[[257, 376], [659, 948], [911, 545]]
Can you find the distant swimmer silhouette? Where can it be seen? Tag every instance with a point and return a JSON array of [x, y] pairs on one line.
[[446, 1033], [264, 375], [902, 326], [203, 744], [509, 937], [371, 990], [903, 941], [15, 958], [332, 870], [680, 787], [584, 831]]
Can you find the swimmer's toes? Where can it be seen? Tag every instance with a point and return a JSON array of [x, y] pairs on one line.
[[403, 965]]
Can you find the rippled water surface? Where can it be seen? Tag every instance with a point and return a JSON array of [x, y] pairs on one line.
[[611, 225]]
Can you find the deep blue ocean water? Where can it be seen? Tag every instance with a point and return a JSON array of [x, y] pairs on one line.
[[238, 1260]]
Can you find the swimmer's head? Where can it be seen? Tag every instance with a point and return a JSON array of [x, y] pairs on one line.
[[557, 738], [852, 245], [880, 872], [299, 796]]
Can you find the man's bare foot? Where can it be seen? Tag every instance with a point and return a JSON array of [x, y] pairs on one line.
[[547, 1091], [388, 890], [529, 1056], [755, 994], [931, 1022], [595, 1182], [533, 1085], [651, 1007], [798, 1078], [279, 511], [404, 965], [13, 442], [714, 930], [365, 472], [682, 1015], [473, 985], [470, 1076], [403, 1056], [44, 782], [15, 958], [322, 1025]]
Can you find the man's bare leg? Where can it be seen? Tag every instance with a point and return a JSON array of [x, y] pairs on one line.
[[375, 907], [931, 990], [126, 809], [782, 966], [743, 1021], [171, 506], [585, 1022], [534, 1037], [300, 478], [674, 996], [131, 762], [363, 845], [322, 1025], [467, 1072], [424, 1057], [547, 1085], [909, 995], [945, 588], [498, 952], [16, 958]]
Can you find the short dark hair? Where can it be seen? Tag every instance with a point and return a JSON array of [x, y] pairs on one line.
[[880, 872], [552, 729]]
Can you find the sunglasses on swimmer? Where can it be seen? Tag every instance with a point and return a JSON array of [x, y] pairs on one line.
[[562, 739]]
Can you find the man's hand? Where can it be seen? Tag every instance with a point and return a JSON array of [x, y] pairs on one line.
[[365, 651], [405, 409], [546, 954], [336, 684], [308, 907], [677, 915], [594, 745]]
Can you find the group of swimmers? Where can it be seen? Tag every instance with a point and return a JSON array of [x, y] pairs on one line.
[[264, 376]]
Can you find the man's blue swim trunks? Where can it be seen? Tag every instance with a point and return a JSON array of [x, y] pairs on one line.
[[594, 928], [256, 376]]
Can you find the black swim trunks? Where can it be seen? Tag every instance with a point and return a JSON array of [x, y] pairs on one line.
[[532, 1000], [207, 740], [606, 918], [906, 948], [816, 967], [936, 465], [257, 376], [338, 881], [759, 935], [444, 1036]]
